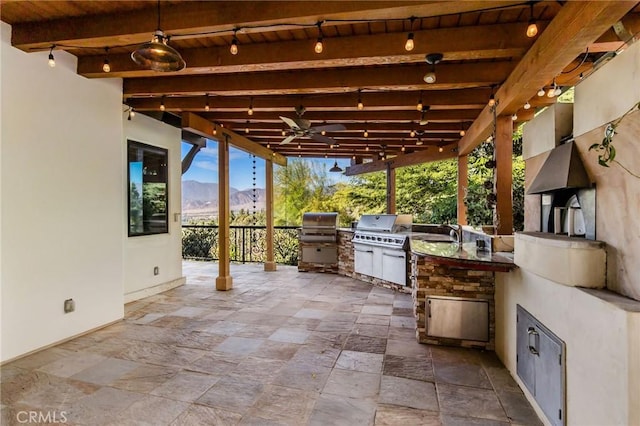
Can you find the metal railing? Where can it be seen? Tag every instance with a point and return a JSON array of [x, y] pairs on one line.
[[247, 243]]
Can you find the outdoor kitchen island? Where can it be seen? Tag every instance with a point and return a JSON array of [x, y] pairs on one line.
[[453, 290]]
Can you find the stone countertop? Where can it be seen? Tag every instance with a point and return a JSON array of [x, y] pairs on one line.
[[346, 230], [468, 257]]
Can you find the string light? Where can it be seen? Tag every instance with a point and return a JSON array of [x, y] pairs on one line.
[[366, 147], [234, 43], [324, 132], [299, 146], [408, 46], [318, 48], [492, 98], [105, 65], [52, 60], [268, 145], [162, 107], [402, 149], [131, 114], [541, 92], [250, 110], [532, 28], [440, 149], [246, 130], [215, 130], [284, 132], [412, 133], [462, 131], [366, 133], [419, 106], [527, 105], [514, 117], [206, 105], [360, 104]]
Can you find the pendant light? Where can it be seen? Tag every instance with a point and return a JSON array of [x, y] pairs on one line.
[[157, 55], [318, 46], [409, 44], [432, 59], [336, 168], [360, 104], [234, 43], [105, 65]]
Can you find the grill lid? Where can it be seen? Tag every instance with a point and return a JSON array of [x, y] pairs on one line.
[[376, 222], [320, 220]]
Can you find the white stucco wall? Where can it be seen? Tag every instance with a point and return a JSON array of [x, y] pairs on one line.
[[61, 185], [143, 253], [609, 92]]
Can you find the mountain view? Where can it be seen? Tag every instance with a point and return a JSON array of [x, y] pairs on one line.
[[200, 199]]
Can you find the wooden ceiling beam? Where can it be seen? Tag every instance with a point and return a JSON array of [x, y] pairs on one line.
[[461, 43], [317, 117], [474, 98], [401, 77], [200, 126], [373, 128], [576, 25], [184, 19], [424, 156]]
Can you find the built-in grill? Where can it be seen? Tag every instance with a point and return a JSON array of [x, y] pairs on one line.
[[318, 249], [381, 248]]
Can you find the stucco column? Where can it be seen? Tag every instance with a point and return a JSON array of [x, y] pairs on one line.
[[224, 281], [269, 264]]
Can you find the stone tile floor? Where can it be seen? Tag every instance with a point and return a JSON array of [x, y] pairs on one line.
[[281, 348]]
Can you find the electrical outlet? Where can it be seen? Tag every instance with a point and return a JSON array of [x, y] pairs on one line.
[[156, 270], [69, 306]]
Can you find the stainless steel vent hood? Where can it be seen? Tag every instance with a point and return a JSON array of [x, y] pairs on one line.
[[563, 169]]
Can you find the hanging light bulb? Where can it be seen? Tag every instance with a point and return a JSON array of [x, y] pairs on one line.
[[131, 114], [402, 149], [492, 100], [409, 45], [551, 92], [284, 132], [360, 104], [462, 132], [234, 43], [246, 129], [215, 130], [419, 106], [527, 105], [353, 157], [440, 149], [162, 107], [268, 145], [419, 142], [412, 133], [532, 28], [105, 65], [514, 117], [366, 133], [52, 60], [324, 132], [366, 147], [319, 47], [299, 146], [541, 92], [206, 105], [250, 110], [558, 91]]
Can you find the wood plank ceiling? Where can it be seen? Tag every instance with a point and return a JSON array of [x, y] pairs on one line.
[[484, 46]]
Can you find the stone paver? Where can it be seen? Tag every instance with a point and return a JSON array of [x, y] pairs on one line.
[[281, 347]]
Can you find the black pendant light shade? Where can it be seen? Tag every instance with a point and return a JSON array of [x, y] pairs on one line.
[[336, 168], [157, 55]]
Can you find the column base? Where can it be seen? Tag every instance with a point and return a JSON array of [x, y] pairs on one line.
[[269, 266], [224, 283]]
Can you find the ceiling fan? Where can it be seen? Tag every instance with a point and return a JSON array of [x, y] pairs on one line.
[[299, 127]]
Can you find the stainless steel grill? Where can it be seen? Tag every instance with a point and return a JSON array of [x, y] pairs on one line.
[[380, 247], [318, 242], [319, 227]]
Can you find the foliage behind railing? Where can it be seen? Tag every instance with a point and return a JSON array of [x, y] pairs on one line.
[[247, 243]]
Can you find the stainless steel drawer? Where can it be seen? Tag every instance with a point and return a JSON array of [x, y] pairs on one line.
[[320, 254], [458, 318]]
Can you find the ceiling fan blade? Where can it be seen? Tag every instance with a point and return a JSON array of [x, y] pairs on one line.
[[329, 128], [291, 123], [321, 138], [288, 139]]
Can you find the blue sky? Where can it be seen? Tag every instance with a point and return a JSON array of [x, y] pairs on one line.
[[205, 167]]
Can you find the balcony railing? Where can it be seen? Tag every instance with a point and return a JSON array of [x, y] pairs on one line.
[[247, 243]]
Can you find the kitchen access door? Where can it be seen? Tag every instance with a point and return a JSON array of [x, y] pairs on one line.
[[540, 365]]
